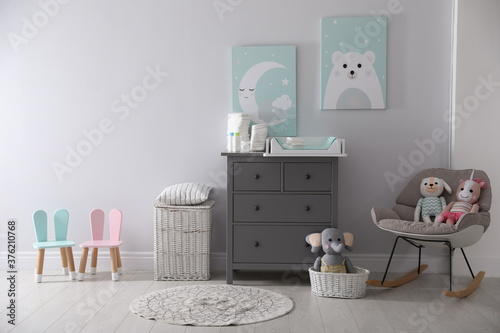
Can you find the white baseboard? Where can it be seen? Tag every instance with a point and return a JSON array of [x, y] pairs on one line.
[[491, 265], [437, 264], [218, 261], [52, 260], [133, 261], [374, 262]]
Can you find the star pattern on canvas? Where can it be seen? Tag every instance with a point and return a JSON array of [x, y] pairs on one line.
[[285, 81]]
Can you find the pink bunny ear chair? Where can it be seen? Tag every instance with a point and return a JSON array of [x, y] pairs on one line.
[[468, 229], [113, 243]]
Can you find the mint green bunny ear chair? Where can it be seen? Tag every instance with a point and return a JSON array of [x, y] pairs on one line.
[[61, 218], [467, 230]]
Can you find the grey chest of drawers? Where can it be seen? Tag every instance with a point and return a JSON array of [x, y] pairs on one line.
[[272, 204]]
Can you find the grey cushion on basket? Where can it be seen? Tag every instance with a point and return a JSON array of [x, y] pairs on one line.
[[400, 217], [185, 194]]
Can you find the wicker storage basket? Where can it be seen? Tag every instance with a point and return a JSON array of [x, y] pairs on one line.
[[341, 285], [182, 241]]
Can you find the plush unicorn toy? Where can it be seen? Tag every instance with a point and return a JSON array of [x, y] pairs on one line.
[[468, 192]]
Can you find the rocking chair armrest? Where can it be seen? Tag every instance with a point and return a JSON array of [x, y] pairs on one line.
[[381, 213], [468, 219]]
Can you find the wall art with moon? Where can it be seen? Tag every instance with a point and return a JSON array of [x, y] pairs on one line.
[[353, 62], [264, 86]]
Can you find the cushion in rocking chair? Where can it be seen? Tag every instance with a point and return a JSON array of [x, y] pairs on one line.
[[383, 218], [400, 218]]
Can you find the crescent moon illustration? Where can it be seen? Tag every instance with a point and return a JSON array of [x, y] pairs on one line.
[[248, 83]]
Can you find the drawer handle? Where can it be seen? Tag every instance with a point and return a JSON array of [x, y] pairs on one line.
[[256, 176], [308, 208], [256, 244], [308, 177], [256, 208]]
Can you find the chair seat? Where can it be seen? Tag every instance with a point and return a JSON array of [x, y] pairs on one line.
[[418, 228], [389, 219], [101, 243], [462, 238], [53, 244]]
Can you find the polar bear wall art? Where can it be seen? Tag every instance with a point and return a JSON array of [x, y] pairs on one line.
[[353, 82], [353, 63]]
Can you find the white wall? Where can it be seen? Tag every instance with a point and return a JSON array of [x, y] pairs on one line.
[[69, 75], [477, 135]]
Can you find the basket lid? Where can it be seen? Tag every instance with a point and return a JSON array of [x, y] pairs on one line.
[[204, 205]]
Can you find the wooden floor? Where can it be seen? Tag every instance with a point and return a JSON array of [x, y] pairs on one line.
[[100, 305]]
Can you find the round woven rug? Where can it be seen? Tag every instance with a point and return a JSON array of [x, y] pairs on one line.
[[212, 305]]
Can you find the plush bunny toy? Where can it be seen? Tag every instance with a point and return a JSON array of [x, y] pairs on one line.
[[431, 204], [467, 196]]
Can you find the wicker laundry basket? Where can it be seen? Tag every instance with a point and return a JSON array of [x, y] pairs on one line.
[[341, 285], [182, 241]]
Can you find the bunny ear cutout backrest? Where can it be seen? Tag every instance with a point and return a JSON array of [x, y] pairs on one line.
[[40, 223], [97, 224], [61, 218], [115, 224]]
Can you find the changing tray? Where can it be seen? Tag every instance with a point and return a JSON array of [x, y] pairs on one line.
[[305, 146]]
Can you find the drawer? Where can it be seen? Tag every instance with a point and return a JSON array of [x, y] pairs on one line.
[[308, 176], [273, 244], [282, 208], [257, 176]]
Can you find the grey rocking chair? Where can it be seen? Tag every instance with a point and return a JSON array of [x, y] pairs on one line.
[[468, 229]]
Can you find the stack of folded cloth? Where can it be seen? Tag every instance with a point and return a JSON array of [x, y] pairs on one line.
[[294, 143], [258, 139], [239, 123]]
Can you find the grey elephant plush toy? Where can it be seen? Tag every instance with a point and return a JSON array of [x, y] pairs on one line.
[[333, 242]]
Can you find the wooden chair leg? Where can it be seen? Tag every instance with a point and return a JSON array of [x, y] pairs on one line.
[[118, 261], [93, 261], [114, 270], [64, 261], [71, 263], [83, 263], [39, 265]]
